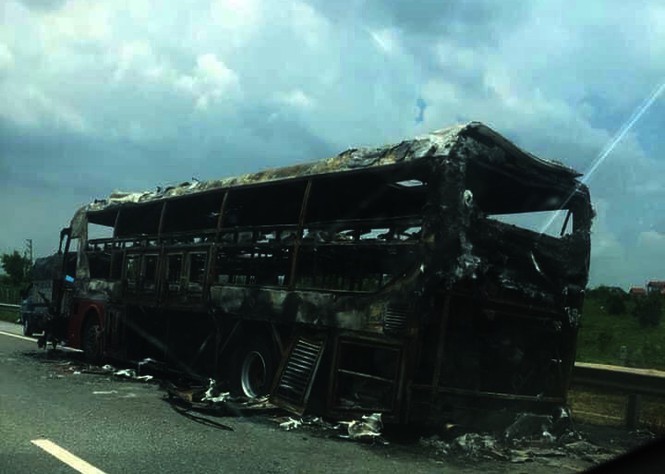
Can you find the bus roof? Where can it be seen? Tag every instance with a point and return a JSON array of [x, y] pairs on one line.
[[439, 143]]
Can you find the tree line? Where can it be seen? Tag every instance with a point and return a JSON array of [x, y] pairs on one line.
[[17, 270], [647, 309]]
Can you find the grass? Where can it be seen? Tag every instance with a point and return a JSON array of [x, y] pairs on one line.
[[602, 335], [10, 315], [597, 407], [608, 408]]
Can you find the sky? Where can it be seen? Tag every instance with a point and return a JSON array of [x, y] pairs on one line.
[[105, 95]]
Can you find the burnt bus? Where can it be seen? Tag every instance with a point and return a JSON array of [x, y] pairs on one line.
[[407, 279]]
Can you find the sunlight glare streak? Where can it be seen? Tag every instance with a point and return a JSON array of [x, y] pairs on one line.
[[641, 110]]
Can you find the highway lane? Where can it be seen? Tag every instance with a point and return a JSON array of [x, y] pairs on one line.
[[126, 426]]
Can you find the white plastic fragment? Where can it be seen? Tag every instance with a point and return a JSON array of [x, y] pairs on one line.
[[214, 395], [221, 398], [290, 424], [131, 373], [367, 428]]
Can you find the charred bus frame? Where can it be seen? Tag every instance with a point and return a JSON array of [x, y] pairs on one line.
[[376, 280]]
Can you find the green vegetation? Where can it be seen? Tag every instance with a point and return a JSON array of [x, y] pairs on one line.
[[648, 311], [10, 315], [17, 269], [16, 277], [604, 330], [14, 281]]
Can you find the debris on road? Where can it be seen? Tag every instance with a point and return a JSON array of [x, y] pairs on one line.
[[213, 395], [530, 437], [189, 394], [550, 440], [223, 397], [290, 424], [211, 399], [468, 445], [368, 428], [529, 425], [129, 373]]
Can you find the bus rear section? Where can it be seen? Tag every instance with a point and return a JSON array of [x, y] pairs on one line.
[[487, 320], [504, 331]]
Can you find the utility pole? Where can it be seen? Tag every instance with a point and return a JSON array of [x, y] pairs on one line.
[[28, 244]]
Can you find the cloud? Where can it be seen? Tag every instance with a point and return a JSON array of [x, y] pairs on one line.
[[6, 59], [624, 264], [77, 21], [131, 95], [210, 81], [237, 20], [138, 56], [295, 98], [31, 107]]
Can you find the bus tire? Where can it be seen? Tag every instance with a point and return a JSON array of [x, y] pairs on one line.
[[92, 341], [255, 366]]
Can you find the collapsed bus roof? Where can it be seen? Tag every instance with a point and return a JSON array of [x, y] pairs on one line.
[[439, 143]]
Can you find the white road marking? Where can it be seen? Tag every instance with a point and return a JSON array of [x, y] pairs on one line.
[[25, 338], [34, 339], [65, 456]]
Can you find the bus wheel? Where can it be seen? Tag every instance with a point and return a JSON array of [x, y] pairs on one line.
[[92, 342], [255, 368]]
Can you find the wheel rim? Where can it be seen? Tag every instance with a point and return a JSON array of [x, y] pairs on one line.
[[253, 374]]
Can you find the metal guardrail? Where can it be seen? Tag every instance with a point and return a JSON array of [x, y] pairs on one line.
[[640, 381], [632, 382], [10, 306]]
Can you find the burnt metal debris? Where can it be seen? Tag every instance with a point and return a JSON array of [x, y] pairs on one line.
[[537, 439], [378, 281]]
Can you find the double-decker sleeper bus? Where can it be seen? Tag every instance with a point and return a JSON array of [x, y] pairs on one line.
[[411, 280]]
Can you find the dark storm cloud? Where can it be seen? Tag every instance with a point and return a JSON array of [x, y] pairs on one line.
[[94, 166], [38, 159]]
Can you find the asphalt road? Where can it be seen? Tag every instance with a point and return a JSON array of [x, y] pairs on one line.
[[119, 425], [126, 426]]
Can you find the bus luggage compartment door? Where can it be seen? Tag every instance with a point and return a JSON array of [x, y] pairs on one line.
[[297, 374]]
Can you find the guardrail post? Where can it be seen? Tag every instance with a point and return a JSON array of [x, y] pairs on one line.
[[633, 411]]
